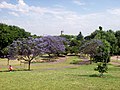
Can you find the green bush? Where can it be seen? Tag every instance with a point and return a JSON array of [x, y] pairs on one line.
[[101, 68]]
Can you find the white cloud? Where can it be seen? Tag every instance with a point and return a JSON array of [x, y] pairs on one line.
[[21, 2], [46, 20], [114, 11], [7, 6], [23, 8], [14, 13], [78, 2]]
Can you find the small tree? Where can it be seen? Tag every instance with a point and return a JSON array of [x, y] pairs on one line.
[[5, 52], [25, 49], [102, 57], [99, 51], [101, 68]]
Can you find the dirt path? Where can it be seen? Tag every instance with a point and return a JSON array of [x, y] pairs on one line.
[[60, 60], [115, 63], [115, 60], [59, 64]]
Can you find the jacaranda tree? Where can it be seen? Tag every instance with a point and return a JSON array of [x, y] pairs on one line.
[[53, 45], [25, 49], [29, 48]]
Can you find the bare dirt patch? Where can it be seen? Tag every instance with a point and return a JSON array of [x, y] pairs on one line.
[[115, 60]]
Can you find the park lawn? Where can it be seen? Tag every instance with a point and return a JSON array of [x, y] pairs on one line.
[[46, 77]]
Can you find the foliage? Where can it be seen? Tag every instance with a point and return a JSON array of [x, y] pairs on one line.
[[101, 68], [10, 33], [103, 53], [79, 36], [74, 46], [102, 58], [99, 51], [100, 28], [53, 44], [26, 49], [29, 48], [117, 35], [109, 36], [92, 35], [90, 47]]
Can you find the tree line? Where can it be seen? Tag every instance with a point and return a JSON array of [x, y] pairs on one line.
[[15, 42], [109, 36]]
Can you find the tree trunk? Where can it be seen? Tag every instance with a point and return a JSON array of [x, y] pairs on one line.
[[20, 62], [29, 65], [49, 55], [101, 74], [117, 57], [8, 62], [58, 54], [90, 60]]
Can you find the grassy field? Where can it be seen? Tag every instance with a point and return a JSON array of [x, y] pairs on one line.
[[58, 76]]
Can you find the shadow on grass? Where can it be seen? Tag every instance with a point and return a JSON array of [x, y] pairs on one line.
[[117, 66], [73, 68], [16, 70], [93, 75], [98, 76]]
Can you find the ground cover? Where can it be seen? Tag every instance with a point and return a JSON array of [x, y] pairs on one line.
[[58, 76]]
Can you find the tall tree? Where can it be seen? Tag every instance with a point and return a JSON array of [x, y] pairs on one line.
[[74, 46], [117, 35], [79, 36], [10, 33]]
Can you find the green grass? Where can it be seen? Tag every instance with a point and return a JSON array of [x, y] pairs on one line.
[[60, 76], [116, 61]]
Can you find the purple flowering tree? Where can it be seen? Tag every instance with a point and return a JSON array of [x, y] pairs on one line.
[[25, 49], [53, 45], [29, 48]]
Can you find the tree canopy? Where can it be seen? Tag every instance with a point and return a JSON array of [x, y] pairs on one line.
[[29, 48], [9, 33]]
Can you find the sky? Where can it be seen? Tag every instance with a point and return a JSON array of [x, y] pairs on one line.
[[50, 17]]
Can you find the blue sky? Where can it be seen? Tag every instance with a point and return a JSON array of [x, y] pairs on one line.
[[49, 17]]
